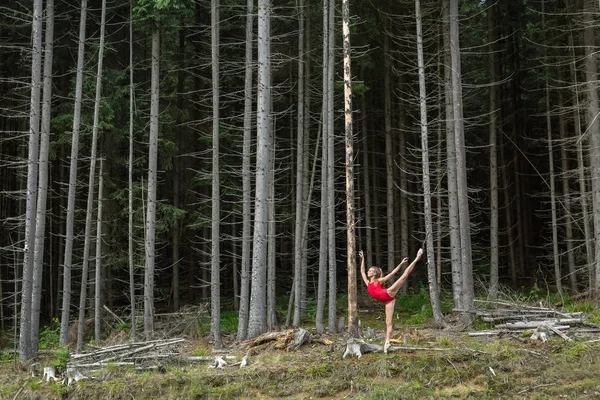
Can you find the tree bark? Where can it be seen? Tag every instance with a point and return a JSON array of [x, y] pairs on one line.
[[556, 256], [42, 194], [98, 278], [26, 348], [431, 269], [91, 179], [130, 179], [494, 118], [66, 300], [215, 276], [453, 222], [150, 240], [593, 129], [246, 180], [461, 167], [564, 154], [257, 318], [389, 160], [349, 145], [332, 259]]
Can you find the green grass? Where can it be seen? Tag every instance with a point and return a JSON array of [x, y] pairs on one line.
[[521, 368]]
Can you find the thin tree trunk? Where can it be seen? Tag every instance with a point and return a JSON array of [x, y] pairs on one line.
[[494, 118], [453, 222], [300, 174], [98, 277], [508, 213], [42, 195], [461, 166], [403, 178], [562, 123], [593, 128], [331, 245], [26, 348], [588, 240], [246, 181], [150, 228], [389, 160], [556, 256], [271, 245], [215, 276], [130, 178], [349, 144], [324, 215], [431, 270], [92, 176], [176, 230], [66, 300], [257, 319], [366, 181]]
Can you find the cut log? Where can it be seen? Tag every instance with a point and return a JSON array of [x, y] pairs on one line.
[[219, 363], [50, 373], [559, 333], [73, 375], [300, 337], [535, 324], [358, 348]]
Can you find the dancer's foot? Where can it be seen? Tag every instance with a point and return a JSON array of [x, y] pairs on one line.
[[386, 346], [419, 254]]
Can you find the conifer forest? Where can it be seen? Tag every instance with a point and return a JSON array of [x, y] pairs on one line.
[[159, 154]]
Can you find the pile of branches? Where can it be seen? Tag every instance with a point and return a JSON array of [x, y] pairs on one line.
[[139, 353], [509, 318]]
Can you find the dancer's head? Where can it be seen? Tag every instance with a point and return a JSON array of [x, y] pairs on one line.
[[374, 272]]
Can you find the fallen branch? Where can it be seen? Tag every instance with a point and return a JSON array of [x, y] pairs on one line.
[[559, 333], [115, 316], [358, 348]]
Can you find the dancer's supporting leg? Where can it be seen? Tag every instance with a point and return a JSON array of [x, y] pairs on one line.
[[389, 315]]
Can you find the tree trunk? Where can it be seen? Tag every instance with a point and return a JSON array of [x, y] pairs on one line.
[[431, 270], [593, 129], [389, 160], [461, 166], [556, 256], [271, 245], [494, 118], [581, 168], [42, 195], [562, 123], [98, 278], [453, 222], [366, 181], [152, 183], [215, 278], [92, 176], [130, 178], [349, 144], [300, 177], [246, 181], [324, 214], [331, 245], [66, 300], [26, 348], [257, 318]]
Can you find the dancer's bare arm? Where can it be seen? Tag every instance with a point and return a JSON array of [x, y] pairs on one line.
[[362, 267], [395, 271]]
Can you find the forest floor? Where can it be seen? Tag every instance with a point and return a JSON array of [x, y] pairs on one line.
[[510, 366]]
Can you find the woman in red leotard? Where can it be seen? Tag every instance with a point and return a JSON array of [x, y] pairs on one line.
[[374, 280]]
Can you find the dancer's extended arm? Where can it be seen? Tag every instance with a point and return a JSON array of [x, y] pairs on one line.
[[395, 271]]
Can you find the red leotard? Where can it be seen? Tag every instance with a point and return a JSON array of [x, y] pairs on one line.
[[378, 292]]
